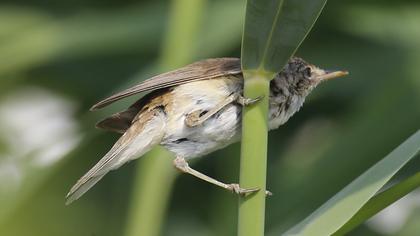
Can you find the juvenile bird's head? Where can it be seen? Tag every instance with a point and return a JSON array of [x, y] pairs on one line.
[[290, 87], [299, 77]]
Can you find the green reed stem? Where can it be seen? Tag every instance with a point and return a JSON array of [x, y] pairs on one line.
[[254, 155], [155, 176]]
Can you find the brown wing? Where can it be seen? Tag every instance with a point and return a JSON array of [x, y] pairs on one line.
[[121, 121], [118, 122], [200, 70]]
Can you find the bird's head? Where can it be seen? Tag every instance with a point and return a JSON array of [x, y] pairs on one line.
[[299, 77]]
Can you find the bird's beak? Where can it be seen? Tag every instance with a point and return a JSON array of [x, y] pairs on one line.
[[332, 75]]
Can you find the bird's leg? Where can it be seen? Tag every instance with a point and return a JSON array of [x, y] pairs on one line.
[[198, 117], [247, 101], [182, 165]]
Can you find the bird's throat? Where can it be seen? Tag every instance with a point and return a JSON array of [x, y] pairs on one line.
[[280, 112]]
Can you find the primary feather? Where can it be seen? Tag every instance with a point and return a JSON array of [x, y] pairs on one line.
[[136, 141], [201, 70]]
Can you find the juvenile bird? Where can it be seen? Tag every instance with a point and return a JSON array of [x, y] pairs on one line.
[[193, 111]]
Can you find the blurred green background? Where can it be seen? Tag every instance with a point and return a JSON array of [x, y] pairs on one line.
[[57, 58]]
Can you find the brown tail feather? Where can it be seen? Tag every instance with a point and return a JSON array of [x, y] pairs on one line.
[[146, 132]]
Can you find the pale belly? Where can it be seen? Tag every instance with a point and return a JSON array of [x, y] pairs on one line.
[[217, 132]]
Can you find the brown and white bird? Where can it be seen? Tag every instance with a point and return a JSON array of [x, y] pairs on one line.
[[193, 111]]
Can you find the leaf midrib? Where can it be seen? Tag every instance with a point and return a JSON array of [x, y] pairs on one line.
[[270, 36]]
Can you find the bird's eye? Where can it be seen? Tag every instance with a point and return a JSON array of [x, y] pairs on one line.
[[307, 72]]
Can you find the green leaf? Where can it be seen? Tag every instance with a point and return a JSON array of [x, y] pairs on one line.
[[274, 29], [380, 202], [331, 216]]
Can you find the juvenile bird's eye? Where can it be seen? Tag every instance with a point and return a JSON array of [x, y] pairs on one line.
[[307, 72]]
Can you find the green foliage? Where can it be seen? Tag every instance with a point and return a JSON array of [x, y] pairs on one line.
[[253, 166], [336, 212], [273, 30], [380, 202], [81, 51]]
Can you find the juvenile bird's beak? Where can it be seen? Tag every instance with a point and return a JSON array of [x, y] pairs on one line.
[[332, 75]]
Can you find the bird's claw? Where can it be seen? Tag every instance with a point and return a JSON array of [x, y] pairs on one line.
[[248, 101], [235, 188]]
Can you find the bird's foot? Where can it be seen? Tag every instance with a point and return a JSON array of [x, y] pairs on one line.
[[248, 101], [235, 188]]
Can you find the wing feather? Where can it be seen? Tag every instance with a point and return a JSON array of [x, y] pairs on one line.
[[118, 122], [136, 141], [201, 70]]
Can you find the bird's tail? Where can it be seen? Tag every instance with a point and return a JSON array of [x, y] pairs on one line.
[[143, 134]]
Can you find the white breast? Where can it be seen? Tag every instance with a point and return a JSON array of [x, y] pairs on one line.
[[217, 132], [281, 117], [221, 129]]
